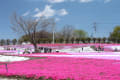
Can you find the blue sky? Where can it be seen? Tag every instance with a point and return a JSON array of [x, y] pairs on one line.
[[79, 13]]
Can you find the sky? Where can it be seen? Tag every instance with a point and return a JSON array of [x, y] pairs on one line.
[[82, 14]]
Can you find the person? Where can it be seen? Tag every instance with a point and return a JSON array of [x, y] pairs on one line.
[[41, 48], [115, 50], [99, 48], [102, 49], [82, 48], [45, 50], [50, 50], [57, 51]]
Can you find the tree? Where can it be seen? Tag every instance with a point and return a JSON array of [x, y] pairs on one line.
[[2, 42], [72, 40], [14, 41], [39, 36], [8, 41], [80, 34], [29, 27], [77, 40], [116, 33], [83, 40], [99, 40], [67, 32], [104, 39], [94, 40], [111, 40], [88, 39]]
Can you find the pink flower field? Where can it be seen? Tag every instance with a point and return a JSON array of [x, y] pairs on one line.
[[63, 68]]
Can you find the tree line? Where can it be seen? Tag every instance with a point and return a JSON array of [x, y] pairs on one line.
[[70, 35], [8, 42], [41, 30], [60, 40]]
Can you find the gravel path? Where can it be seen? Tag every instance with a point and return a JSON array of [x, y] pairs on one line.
[[7, 79], [1, 78]]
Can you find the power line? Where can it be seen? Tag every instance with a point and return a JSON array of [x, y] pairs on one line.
[[95, 26], [107, 23]]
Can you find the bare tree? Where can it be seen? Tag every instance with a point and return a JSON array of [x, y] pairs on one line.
[[29, 27], [67, 32]]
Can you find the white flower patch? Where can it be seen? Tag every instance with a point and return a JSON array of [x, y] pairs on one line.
[[12, 58]]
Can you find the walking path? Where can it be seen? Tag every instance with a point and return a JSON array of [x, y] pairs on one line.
[[95, 55]]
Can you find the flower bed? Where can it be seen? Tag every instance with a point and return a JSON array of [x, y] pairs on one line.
[[63, 68], [58, 67]]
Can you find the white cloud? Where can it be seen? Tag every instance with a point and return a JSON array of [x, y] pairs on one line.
[[72, 0], [50, 12], [33, 0], [107, 1], [86, 1], [47, 12], [57, 19], [36, 10], [56, 1], [61, 1], [26, 13], [62, 12]]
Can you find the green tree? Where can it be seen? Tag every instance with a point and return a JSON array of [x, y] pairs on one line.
[[88, 39], [116, 33], [14, 41], [98, 40], [94, 40], [77, 40], [83, 40], [2, 42], [72, 40], [80, 34], [104, 39], [8, 41]]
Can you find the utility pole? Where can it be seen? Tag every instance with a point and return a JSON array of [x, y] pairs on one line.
[[95, 28], [53, 29]]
